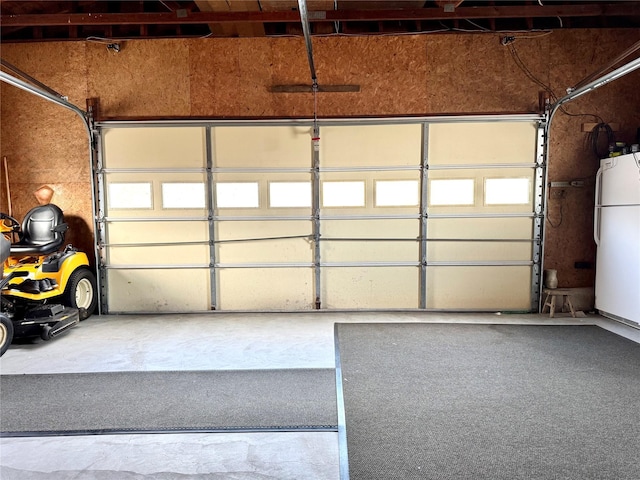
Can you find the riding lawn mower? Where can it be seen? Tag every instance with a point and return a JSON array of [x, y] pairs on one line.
[[45, 290]]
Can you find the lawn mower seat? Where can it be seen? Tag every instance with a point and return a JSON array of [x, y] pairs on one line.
[[42, 232]]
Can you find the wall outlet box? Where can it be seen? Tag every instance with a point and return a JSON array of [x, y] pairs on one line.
[[583, 265]]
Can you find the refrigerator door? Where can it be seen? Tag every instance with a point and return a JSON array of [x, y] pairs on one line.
[[618, 262], [618, 181]]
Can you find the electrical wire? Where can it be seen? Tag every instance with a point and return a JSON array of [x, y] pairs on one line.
[[484, 29], [542, 34], [520, 63], [561, 215], [107, 40], [444, 29]]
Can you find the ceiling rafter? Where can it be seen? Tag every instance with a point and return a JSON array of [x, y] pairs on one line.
[[431, 13]]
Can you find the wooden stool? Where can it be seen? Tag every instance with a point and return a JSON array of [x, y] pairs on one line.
[[550, 300]]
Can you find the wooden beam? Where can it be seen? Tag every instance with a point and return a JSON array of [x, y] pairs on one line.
[[309, 88], [536, 11], [444, 3], [238, 29], [284, 5], [170, 5], [492, 21]]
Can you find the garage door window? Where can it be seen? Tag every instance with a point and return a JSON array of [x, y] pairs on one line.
[[183, 195], [343, 194], [289, 194], [237, 195], [451, 192], [130, 195], [397, 193], [506, 191]]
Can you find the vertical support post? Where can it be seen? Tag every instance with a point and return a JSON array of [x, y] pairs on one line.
[[539, 202], [100, 226], [211, 208], [424, 199], [315, 205]]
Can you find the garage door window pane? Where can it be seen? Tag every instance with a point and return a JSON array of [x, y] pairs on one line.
[[237, 195], [183, 195], [506, 191], [290, 194], [130, 195], [451, 192], [343, 194], [397, 193]]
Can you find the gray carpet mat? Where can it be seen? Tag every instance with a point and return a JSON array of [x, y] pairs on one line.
[[168, 401], [444, 401]]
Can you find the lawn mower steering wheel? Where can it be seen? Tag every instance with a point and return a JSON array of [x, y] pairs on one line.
[[13, 224]]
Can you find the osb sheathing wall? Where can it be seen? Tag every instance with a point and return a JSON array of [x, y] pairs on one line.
[[398, 75]]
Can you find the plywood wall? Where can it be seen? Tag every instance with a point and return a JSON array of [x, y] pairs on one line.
[[398, 75], [573, 56], [45, 144]]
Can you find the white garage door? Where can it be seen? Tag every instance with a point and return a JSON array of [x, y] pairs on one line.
[[431, 214]]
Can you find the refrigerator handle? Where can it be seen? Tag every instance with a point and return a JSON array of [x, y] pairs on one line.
[[597, 209]]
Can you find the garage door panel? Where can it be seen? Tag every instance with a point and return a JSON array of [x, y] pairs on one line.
[[478, 142], [481, 228], [479, 287], [371, 228], [261, 146], [155, 147], [266, 289], [478, 251], [235, 245], [339, 240], [370, 287], [371, 145], [452, 232], [158, 232], [363, 251], [158, 290], [160, 255], [270, 251]]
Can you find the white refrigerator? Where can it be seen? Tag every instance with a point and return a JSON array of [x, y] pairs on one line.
[[617, 236]]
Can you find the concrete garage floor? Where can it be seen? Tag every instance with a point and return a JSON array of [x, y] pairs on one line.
[[201, 342]]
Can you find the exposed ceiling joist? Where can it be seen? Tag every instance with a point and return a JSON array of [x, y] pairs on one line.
[[170, 5], [431, 13], [448, 3], [239, 29]]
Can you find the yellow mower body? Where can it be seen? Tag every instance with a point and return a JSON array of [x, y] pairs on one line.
[[46, 289], [58, 267]]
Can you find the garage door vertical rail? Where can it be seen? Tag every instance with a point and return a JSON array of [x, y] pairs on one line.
[[424, 200], [315, 205], [211, 208], [101, 227], [538, 225]]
